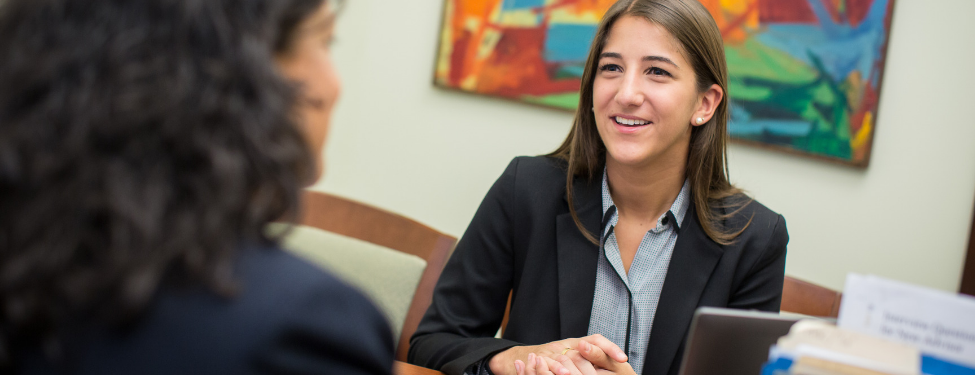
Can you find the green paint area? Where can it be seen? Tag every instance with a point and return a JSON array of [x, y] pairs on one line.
[[565, 101], [771, 86]]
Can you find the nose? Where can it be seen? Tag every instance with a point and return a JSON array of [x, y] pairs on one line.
[[630, 92]]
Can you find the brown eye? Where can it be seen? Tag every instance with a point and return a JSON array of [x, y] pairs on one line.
[[658, 72]]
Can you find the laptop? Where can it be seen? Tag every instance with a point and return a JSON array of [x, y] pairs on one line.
[[732, 342]]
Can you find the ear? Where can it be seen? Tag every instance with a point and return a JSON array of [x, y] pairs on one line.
[[707, 103]]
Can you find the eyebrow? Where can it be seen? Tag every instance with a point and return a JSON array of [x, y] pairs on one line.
[[322, 24], [645, 58]]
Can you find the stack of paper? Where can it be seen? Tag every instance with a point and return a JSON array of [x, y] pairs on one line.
[[820, 348], [940, 324], [884, 327]]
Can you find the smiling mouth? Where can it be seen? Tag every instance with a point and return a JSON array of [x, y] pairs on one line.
[[630, 122]]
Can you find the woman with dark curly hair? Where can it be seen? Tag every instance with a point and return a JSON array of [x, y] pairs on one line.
[[144, 147]]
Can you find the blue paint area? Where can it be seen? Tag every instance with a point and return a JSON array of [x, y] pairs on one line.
[[568, 43], [571, 71], [781, 128], [841, 48], [521, 4], [742, 124]]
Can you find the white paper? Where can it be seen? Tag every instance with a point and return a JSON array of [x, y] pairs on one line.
[[938, 323], [818, 339]]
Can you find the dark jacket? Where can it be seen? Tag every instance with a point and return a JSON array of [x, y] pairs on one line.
[[290, 317], [523, 239]]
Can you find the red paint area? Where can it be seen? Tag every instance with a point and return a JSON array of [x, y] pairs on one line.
[[517, 67], [856, 10], [785, 11], [456, 74]]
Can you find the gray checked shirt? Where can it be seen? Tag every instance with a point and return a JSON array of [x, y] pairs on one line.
[[629, 301]]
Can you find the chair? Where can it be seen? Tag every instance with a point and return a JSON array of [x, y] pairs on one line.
[[800, 297], [356, 245], [806, 298]]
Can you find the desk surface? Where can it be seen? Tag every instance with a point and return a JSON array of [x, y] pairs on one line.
[[403, 368]]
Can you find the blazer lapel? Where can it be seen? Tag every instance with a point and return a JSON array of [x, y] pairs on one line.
[[694, 258], [577, 259]]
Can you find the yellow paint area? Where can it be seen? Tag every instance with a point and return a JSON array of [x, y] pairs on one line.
[[469, 83], [519, 18], [446, 45], [863, 135], [472, 23], [489, 40], [564, 16]]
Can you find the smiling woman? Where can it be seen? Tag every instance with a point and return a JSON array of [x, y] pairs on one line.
[[608, 244], [144, 147]]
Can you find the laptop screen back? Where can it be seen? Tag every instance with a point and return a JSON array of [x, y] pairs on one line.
[[731, 342]]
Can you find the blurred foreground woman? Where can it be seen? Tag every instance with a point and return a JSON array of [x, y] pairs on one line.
[[144, 146]]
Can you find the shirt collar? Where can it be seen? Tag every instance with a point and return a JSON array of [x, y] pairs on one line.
[[677, 210]]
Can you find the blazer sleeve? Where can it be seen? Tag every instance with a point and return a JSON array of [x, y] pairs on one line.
[[331, 329], [470, 298], [761, 289]]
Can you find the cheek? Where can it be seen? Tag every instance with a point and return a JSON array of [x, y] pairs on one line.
[[602, 93]]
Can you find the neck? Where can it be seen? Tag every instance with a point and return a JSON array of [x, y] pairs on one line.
[[645, 192]]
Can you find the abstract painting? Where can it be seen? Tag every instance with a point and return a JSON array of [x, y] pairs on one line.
[[804, 75], [528, 50]]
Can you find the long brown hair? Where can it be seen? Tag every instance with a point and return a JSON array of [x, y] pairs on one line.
[[707, 166]]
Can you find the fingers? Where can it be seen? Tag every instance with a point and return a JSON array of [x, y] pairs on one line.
[[596, 356], [584, 365], [605, 365], [559, 368], [576, 364], [536, 366], [520, 368], [608, 347]]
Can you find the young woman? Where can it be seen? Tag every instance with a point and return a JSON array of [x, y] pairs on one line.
[[144, 147], [622, 232]]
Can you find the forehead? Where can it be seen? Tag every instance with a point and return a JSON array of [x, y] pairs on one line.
[[322, 19], [634, 35]]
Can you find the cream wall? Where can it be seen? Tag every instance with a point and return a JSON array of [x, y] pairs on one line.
[[399, 143]]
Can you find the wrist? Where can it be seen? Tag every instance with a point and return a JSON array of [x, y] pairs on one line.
[[503, 363]]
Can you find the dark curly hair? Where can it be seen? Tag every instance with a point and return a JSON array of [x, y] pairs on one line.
[[141, 143]]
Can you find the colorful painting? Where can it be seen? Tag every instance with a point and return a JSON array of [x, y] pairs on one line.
[[528, 50], [804, 75]]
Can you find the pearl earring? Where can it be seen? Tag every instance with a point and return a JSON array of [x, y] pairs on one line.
[[700, 120]]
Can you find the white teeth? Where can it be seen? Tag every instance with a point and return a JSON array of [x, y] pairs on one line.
[[626, 121]]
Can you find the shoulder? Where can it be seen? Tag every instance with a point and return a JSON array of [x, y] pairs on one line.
[[535, 173], [760, 226], [743, 210], [286, 280], [316, 311], [537, 168], [287, 317]]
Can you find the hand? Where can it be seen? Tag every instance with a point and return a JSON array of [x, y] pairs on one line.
[[536, 366], [606, 365], [504, 363]]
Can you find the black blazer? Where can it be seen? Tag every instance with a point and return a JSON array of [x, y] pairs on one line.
[[523, 239], [290, 317]]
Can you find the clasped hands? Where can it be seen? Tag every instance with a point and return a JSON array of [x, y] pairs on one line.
[[590, 355]]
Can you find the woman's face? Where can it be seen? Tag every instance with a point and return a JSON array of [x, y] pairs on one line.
[[309, 63], [645, 96]]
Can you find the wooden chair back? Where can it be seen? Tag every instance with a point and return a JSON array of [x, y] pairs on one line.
[[806, 298], [357, 220]]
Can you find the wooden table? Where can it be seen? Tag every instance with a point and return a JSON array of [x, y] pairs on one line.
[[403, 368]]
